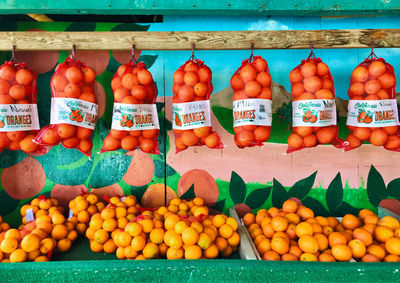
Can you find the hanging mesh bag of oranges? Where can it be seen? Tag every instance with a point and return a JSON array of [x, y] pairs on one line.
[[135, 120], [313, 103], [372, 110], [19, 121], [74, 110], [192, 87], [252, 99]]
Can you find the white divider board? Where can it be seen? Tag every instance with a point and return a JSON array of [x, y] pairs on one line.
[[386, 212], [247, 249]]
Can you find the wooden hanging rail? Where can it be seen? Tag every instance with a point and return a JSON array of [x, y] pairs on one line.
[[203, 40]]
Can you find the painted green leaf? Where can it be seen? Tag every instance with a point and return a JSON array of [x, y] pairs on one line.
[[110, 170], [301, 188], [7, 203], [138, 191], [189, 194], [81, 26], [219, 205], [130, 27], [237, 188], [113, 65], [345, 208], [44, 97], [258, 197], [224, 116], [279, 194], [159, 169], [393, 188], [376, 188], [160, 106], [9, 158], [334, 193], [315, 205], [148, 60], [65, 166]]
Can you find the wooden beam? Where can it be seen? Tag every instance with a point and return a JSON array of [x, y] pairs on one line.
[[203, 7], [203, 40]]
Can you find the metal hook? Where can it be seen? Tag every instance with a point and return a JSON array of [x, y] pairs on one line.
[[73, 51], [13, 53], [372, 54], [133, 59], [251, 48], [312, 55]]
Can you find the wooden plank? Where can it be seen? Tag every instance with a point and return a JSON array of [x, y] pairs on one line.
[[246, 250], [203, 7], [203, 40]]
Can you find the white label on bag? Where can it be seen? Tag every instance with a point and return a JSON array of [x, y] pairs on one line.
[[314, 113], [252, 112], [29, 215], [70, 214], [133, 117], [191, 115], [18, 117], [372, 113], [74, 112]]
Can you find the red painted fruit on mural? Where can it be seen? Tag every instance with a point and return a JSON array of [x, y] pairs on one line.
[[205, 185]]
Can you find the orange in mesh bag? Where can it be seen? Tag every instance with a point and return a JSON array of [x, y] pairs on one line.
[[313, 103], [19, 121], [73, 107], [135, 120], [192, 87], [252, 97], [372, 110]]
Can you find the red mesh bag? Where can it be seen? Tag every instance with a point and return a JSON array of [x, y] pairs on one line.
[[135, 119], [313, 103], [252, 98], [73, 107], [19, 122], [192, 87], [372, 110]]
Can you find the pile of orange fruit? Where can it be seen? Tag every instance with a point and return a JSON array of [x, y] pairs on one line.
[[72, 79], [184, 229], [252, 80], [82, 208], [373, 80], [294, 233], [311, 80], [4, 226], [17, 86], [192, 82], [133, 84], [111, 218], [36, 240]]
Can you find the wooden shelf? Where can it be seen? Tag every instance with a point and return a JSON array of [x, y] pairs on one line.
[[203, 40]]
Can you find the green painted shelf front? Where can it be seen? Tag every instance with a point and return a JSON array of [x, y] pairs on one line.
[[204, 7]]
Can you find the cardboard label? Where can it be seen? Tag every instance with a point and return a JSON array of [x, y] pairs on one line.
[[314, 113], [133, 117], [191, 115], [18, 117], [252, 112], [372, 113]]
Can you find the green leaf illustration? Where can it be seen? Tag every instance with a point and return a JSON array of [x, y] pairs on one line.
[[7, 203], [345, 208], [258, 197], [334, 193], [301, 188], [393, 188], [130, 27], [224, 116], [113, 65], [315, 205], [219, 205], [81, 26], [44, 97], [110, 170], [189, 194], [148, 60], [237, 188], [376, 188], [279, 194], [138, 191], [9, 158], [159, 169], [61, 165]]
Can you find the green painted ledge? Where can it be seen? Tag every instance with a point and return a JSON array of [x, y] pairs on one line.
[[204, 7], [198, 271]]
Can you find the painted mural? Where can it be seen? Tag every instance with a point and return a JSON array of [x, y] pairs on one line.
[[325, 178]]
